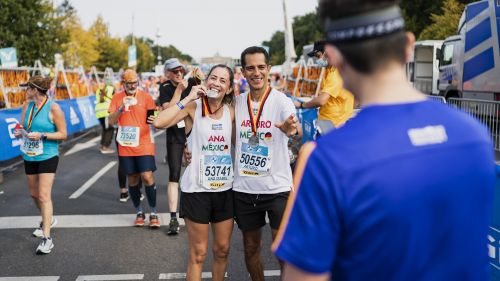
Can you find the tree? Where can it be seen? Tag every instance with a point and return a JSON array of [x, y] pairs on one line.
[[445, 24], [306, 30], [145, 57], [418, 14], [34, 28], [276, 48], [82, 46]]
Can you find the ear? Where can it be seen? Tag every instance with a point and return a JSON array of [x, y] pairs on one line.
[[335, 58], [410, 43]]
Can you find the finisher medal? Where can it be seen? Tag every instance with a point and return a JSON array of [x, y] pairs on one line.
[[253, 141]]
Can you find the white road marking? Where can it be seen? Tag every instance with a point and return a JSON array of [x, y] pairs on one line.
[[159, 133], [30, 278], [180, 275], [92, 180], [110, 277], [79, 221], [272, 273], [81, 146]]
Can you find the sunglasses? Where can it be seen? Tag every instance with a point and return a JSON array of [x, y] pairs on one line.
[[176, 71]]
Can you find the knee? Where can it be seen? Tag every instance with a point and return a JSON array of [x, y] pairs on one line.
[[148, 178], [34, 196], [198, 255], [221, 251], [44, 198], [252, 248]]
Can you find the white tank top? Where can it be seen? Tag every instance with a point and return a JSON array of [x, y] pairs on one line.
[[264, 169], [211, 168]]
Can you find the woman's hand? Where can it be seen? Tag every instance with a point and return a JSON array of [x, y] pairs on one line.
[[196, 93]]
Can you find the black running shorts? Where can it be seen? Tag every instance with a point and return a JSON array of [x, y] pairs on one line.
[[207, 207], [48, 166], [250, 209], [137, 164]]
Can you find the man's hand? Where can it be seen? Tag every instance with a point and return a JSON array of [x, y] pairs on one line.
[[183, 85], [290, 126], [187, 156]]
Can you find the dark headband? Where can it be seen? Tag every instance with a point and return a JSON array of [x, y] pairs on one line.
[[364, 26], [33, 85]]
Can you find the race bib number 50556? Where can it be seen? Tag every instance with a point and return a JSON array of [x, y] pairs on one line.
[[254, 161]]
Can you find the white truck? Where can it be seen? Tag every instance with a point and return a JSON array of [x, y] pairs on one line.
[[423, 71], [469, 62]]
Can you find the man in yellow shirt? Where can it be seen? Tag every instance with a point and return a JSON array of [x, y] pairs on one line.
[[336, 105]]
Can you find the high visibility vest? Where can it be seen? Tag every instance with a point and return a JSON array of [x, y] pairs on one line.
[[101, 107]]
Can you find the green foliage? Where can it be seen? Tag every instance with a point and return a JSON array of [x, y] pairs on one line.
[[444, 25], [276, 48], [419, 15], [34, 28], [306, 30]]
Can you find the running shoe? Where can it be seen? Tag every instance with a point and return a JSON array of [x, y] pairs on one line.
[[107, 150], [154, 221], [124, 197], [173, 227], [139, 220], [45, 246], [39, 231]]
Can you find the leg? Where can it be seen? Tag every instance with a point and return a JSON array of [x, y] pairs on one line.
[[174, 154], [274, 233], [198, 246], [122, 176], [33, 188], [107, 134], [150, 187], [134, 190], [102, 121], [46, 181], [252, 242], [222, 232]]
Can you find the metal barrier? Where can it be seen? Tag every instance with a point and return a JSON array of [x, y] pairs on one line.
[[487, 112], [437, 98]]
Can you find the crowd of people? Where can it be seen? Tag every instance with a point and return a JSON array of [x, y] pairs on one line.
[[365, 201]]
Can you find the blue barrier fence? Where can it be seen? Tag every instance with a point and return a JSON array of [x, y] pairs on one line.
[[79, 114]]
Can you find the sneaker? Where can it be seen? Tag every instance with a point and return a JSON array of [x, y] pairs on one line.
[[124, 197], [107, 150], [173, 227], [39, 232], [45, 246], [139, 220], [154, 222]]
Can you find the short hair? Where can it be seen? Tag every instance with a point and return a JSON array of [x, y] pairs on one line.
[[253, 50], [365, 55]]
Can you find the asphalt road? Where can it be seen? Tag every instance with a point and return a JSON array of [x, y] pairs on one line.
[[95, 239]]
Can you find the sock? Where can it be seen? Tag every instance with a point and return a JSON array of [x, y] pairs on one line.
[[151, 195], [135, 194], [173, 215]]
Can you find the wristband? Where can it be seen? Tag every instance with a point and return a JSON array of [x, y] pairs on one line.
[[301, 104], [43, 136], [120, 109], [179, 104]]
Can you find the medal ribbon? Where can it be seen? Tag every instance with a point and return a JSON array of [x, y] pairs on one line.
[[31, 117], [255, 120], [206, 107]]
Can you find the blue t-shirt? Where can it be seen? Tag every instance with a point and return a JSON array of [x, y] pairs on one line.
[[402, 192]]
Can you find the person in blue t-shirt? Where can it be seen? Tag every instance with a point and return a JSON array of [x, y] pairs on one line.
[[404, 190]]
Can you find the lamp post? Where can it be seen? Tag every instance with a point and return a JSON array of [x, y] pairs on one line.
[[158, 35]]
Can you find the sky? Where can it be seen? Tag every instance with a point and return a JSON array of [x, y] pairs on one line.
[[199, 28]]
